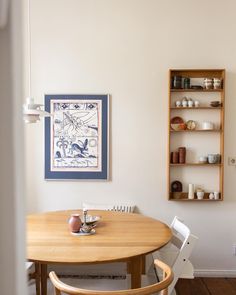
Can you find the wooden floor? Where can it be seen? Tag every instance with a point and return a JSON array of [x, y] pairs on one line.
[[206, 286]]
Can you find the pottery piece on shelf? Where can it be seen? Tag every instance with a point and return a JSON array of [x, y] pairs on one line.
[[176, 186], [211, 196], [191, 125], [196, 103], [200, 195], [207, 125], [203, 159], [191, 191], [212, 158]]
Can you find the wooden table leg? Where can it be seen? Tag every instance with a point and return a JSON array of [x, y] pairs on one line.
[[136, 271], [44, 276], [37, 277], [143, 264]]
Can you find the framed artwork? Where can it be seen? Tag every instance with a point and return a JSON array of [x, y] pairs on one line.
[[77, 137]]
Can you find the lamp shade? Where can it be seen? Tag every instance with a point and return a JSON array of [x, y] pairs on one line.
[[32, 111]]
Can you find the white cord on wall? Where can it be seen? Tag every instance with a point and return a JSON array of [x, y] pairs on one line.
[[4, 5]]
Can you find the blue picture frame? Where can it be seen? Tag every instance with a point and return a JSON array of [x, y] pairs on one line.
[[77, 137]]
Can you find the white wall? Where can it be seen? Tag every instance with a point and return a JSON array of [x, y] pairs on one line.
[[12, 241], [125, 48]]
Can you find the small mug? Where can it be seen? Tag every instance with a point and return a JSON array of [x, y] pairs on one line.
[[196, 103], [211, 196], [202, 159], [190, 103], [212, 158], [184, 103], [178, 103], [200, 195]]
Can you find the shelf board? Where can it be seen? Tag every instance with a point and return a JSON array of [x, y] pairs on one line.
[[196, 108], [194, 164], [196, 90], [183, 196], [197, 130]]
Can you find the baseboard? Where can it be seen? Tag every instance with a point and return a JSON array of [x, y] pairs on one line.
[[222, 273]]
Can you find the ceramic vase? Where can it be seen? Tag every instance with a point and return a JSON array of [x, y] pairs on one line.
[[75, 223]]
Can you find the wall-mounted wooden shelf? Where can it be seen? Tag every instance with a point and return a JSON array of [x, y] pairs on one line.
[[197, 169], [196, 90], [196, 108], [195, 164], [197, 130], [184, 197]]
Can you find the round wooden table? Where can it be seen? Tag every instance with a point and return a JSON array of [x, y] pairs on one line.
[[119, 237]]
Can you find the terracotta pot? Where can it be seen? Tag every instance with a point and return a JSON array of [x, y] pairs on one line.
[[75, 223]]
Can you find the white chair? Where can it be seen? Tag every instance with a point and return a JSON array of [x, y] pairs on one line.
[[176, 253]]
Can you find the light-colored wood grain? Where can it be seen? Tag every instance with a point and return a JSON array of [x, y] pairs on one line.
[[118, 236], [160, 286]]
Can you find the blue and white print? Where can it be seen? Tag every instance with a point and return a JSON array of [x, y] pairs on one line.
[[76, 131]]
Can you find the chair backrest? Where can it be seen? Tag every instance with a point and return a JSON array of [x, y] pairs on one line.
[[158, 287], [181, 233], [185, 242]]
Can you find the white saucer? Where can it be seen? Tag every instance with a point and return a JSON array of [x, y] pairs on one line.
[[92, 232]]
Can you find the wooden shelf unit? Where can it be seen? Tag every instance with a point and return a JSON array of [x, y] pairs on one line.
[[196, 73]]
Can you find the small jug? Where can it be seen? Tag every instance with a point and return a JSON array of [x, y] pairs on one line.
[[75, 223]]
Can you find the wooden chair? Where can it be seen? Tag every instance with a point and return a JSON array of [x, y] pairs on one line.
[[34, 274], [59, 286], [177, 253]]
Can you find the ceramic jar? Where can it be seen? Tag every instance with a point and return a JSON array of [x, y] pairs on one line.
[[191, 191], [212, 158], [203, 159], [186, 83], [184, 103], [177, 82], [208, 83], [182, 155], [190, 103], [178, 103], [217, 83], [207, 125], [200, 194], [211, 196], [75, 223], [196, 103], [216, 195], [175, 157]]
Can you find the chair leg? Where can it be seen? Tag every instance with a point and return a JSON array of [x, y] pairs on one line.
[[37, 278]]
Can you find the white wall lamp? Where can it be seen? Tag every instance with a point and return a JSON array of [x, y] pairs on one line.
[[31, 111]]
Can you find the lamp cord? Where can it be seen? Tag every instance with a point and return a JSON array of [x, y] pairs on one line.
[[29, 48]]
